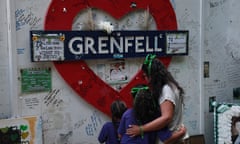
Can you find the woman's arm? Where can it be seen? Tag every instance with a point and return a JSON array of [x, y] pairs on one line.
[[176, 135], [167, 110]]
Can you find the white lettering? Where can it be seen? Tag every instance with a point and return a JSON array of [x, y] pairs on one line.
[[89, 43], [110, 45], [148, 49], [115, 44], [102, 43], [128, 43], [79, 46], [156, 48], [139, 44]]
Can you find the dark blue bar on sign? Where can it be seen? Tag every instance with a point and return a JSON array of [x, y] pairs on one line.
[[79, 45]]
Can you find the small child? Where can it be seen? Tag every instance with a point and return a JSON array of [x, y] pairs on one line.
[[108, 133]]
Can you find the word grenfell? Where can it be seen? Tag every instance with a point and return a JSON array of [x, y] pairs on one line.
[[111, 45]]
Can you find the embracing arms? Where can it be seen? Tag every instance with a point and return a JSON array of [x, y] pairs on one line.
[[167, 111]]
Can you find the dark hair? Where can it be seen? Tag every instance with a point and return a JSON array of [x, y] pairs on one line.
[[118, 107], [136, 88], [159, 76], [144, 108]]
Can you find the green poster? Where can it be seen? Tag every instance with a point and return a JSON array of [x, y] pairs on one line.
[[36, 80]]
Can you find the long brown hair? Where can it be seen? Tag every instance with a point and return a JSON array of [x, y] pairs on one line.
[[159, 76]]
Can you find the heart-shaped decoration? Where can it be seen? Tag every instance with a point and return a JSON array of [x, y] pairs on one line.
[[24, 135], [77, 74], [23, 127]]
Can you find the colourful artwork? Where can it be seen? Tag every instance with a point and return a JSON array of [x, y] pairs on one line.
[[26, 130]]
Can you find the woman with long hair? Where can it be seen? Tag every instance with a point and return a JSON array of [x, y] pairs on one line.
[[167, 93]]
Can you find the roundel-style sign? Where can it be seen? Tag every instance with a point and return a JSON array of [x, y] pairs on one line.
[[77, 74]]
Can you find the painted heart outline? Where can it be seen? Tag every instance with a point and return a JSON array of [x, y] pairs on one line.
[[77, 74]]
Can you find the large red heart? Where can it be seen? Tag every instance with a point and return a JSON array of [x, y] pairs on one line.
[[77, 74]]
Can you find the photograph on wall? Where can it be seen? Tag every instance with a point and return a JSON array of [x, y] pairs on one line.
[[113, 72], [118, 74], [116, 71]]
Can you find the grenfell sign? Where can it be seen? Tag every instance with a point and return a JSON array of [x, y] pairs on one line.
[[80, 45]]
